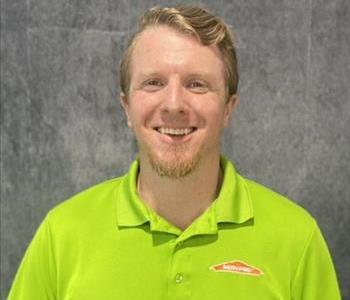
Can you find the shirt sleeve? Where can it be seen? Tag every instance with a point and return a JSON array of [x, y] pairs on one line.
[[315, 276], [35, 278]]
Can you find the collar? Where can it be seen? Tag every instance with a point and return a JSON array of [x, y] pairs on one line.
[[233, 205]]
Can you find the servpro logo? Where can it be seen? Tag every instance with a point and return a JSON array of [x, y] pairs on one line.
[[237, 266]]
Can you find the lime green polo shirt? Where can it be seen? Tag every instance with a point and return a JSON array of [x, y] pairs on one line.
[[105, 243]]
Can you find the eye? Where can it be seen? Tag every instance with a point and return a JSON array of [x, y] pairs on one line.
[[152, 85], [198, 86], [153, 82]]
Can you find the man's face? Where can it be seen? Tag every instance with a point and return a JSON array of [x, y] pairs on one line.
[[176, 103]]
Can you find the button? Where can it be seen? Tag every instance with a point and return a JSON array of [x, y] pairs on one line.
[[179, 277]]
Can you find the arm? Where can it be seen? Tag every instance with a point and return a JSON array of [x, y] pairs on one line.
[[315, 277], [36, 275]]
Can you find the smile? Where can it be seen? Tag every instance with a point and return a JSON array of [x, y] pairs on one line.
[[175, 131]]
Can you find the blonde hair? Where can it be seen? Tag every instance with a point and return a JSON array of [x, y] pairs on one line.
[[196, 21]]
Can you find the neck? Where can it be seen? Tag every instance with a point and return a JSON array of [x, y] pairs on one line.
[[181, 200]]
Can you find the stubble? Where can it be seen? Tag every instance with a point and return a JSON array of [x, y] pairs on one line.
[[175, 163]]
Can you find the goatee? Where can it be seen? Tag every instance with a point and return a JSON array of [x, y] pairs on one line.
[[175, 163]]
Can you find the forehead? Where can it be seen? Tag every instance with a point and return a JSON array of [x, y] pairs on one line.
[[164, 47]]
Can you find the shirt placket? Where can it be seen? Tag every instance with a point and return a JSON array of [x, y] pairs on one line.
[[179, 277]]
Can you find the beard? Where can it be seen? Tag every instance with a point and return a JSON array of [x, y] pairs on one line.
[[177, 162]]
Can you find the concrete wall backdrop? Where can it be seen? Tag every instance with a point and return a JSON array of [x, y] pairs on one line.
[[63, 129]]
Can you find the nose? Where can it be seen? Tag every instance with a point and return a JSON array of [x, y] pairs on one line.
[[174, 100]]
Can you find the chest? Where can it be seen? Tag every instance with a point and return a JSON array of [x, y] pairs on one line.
[[156, 266]]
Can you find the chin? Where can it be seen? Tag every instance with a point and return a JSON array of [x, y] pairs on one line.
[[174, 163]]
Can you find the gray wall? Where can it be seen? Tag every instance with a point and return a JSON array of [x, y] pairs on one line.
[[63, 129]]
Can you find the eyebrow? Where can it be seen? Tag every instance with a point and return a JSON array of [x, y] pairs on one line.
[[203, 75], [143, 76]]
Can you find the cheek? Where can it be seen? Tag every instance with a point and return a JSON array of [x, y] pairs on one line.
[[136, 114], [213, 115], [139, 111]]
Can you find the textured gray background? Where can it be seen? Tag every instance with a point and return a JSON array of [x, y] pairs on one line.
[[63, 129]]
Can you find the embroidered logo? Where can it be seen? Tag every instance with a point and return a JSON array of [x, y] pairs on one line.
[[237, 266]]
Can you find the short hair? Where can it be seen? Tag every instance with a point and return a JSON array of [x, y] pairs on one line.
[[193, 20]]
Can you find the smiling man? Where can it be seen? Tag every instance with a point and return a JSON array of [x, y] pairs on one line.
[[182, 223], [177, 103]]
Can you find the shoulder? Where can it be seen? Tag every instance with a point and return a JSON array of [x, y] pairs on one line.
[[280, 223], [275, 210], [92, 203]]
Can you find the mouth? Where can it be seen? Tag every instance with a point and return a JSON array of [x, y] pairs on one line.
[[175, 132]]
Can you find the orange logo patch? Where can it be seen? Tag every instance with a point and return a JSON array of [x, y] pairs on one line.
[[237, 266]]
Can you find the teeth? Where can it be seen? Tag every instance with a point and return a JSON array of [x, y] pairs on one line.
[[175, 131]]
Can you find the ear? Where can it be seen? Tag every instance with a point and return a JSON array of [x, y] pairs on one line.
[[125, 104], [230, 106]]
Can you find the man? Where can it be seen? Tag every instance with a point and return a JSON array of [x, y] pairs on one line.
[[182, 224]]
